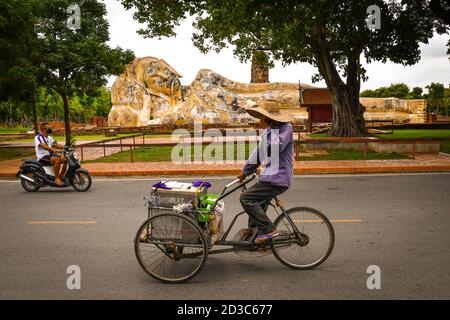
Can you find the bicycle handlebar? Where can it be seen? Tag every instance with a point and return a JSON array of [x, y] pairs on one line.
[[243, 183], [232, 182]]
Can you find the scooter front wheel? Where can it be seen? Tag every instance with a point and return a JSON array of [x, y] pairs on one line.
[[81, 181]]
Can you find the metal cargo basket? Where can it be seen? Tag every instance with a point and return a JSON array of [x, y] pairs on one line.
[[164, 201]]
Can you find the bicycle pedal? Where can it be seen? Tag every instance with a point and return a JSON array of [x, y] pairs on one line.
[[264, 251]]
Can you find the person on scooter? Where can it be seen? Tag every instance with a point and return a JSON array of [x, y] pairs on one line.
[[274, 159], [56, 145], [45, 147]]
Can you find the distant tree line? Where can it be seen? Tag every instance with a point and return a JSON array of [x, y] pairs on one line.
[[50, 107], [438, 96]]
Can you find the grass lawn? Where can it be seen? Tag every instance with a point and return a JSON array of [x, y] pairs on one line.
[[319, 135], [416, 133], [62, 139], [97, 137], [14, 130], [408, 134], [402, 134], [342, 154], [421, 133], [164, 153], [154, 154], [445, 147], [15, 153]]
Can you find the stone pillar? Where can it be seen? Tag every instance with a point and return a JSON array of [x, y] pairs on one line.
[[260, 67], [419, 110]]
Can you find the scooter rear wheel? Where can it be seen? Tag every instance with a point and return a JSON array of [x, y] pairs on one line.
[[28, 185]]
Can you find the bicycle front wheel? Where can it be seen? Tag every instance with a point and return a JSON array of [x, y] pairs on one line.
[[171, 247], [308, 248]]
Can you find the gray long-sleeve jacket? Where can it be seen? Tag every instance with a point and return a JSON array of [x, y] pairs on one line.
[[275, 150]]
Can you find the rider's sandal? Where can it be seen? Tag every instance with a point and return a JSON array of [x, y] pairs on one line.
[[265, 237]]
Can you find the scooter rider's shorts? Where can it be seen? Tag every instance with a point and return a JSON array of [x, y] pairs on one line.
[[45, 160]]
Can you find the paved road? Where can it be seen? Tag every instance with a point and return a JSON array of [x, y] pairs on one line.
[[404, 230]]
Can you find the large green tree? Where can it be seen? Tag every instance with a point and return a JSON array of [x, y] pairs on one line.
[[332, 35], [19, 60], [416, 93], [441, 8], [76, 61], [435, 96], [447, 101]]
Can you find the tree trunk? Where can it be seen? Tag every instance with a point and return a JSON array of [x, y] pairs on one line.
[[348, 114], [33, 106], [260, 67], [66, 118]]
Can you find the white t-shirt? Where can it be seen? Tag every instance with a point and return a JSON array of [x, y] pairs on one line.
[[41, 152]]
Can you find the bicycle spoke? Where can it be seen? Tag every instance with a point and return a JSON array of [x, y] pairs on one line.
[[320, 239]]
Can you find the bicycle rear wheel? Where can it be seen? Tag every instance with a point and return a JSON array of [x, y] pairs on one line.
[[306, 252], [171, 247]]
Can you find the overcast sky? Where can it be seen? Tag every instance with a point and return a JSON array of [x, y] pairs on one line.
[[180, 53]]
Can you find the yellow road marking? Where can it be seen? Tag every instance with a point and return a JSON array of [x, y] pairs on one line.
[[338, 220], [62, 222]]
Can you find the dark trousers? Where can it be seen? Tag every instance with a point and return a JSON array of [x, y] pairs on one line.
[[255, 201]]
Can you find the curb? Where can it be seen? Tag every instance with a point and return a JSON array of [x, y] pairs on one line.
[[297, 171], [387, 169], [227, 172], [306, 168]]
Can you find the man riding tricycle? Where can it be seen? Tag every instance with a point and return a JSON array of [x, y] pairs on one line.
[[185, 222]]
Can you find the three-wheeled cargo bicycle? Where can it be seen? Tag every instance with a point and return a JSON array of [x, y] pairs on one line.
[[172, 245]]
